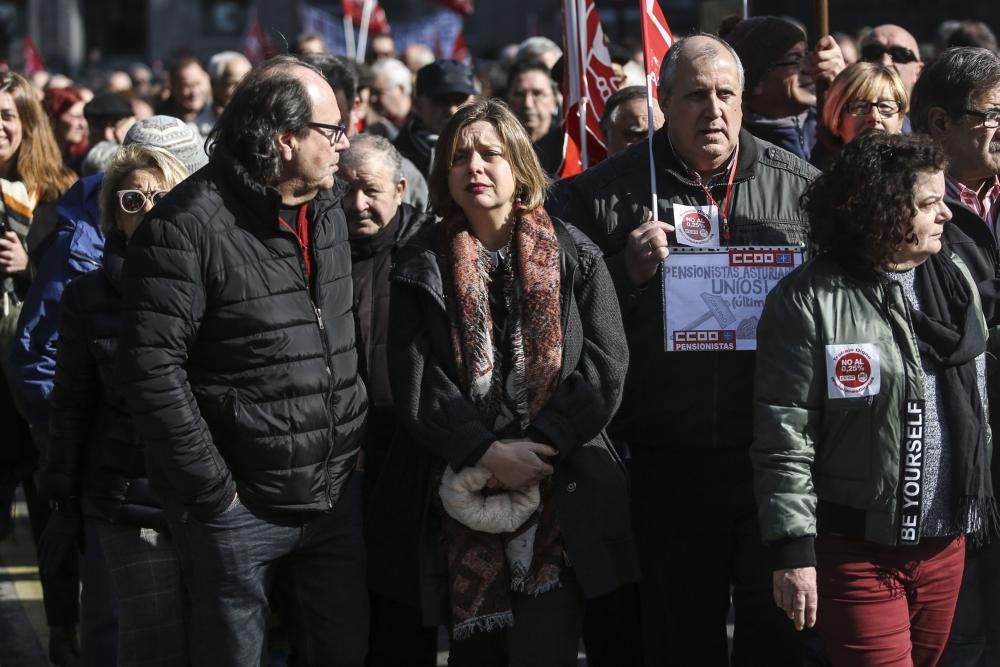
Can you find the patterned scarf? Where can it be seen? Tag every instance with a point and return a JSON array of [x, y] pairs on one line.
[[483, 569]]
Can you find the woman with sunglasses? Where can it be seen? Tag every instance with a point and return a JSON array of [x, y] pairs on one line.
[[864, 96], [94, 464]]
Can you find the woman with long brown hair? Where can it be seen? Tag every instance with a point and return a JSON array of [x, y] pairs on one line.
[[32, 177]]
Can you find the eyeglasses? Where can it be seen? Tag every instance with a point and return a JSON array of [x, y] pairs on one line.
[[332, 132], [899, 54], [133, 201], [991, 118], [885, 108]]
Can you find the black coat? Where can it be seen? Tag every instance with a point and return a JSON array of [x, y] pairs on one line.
[[93, 451], [969, 237], [442, 426], [685, 400], [372, 259], [239, 373]]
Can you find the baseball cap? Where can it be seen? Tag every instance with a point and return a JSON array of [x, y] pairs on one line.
[[445, 77]]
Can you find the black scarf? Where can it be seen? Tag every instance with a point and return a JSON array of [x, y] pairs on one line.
[[950, 336], [364, 247]]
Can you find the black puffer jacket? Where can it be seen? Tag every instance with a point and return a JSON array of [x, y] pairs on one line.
[[93, 451], [239, 375], [689, 400]]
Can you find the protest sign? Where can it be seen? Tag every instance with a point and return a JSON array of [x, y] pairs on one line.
[[713, 297]]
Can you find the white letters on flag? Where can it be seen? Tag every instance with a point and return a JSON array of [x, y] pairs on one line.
[[587, 83]]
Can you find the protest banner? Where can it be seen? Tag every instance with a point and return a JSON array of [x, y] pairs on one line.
[[713, 297]]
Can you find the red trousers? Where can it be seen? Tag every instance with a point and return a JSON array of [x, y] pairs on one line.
[[882, 606]]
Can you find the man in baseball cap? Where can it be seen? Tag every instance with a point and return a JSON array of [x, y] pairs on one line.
[[442, 87], [109, 116]]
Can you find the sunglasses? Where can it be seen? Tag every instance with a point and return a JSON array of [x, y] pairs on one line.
[[133, 201], [900, 54]]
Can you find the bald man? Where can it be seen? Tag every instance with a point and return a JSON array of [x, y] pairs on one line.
[[893, 46]]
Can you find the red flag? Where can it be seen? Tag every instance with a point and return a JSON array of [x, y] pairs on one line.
[[256, 44], [378, 24], [588, 81], [460, 51], [463, 7], [33, 60], [656, 39]]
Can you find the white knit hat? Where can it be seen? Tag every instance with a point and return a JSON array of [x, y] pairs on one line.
[[171, 134]]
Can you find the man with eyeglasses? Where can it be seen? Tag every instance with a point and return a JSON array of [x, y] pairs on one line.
[[892, 46], [780, 96], [239, 359], [956, 100]]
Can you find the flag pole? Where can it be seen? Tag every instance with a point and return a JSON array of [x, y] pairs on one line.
[[581, 21], [746, 9], [822, 30], [649, 113], [366, 18], [349, 36], [649, 131]]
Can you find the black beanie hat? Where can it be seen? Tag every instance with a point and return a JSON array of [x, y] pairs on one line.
[[760, 42]]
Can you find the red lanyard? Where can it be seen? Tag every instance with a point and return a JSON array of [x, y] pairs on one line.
[[728, 198]]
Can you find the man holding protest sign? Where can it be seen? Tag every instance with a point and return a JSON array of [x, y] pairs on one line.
[[686, 416]]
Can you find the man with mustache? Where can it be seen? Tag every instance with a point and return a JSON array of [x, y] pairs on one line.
[[686, 417], [956, 100], [378, 222], [781, 75]]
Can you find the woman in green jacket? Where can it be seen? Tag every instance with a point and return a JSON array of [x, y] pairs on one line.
[[871, 445]]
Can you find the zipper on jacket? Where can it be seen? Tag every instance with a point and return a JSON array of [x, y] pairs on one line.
[[331, 435], [800, 130]]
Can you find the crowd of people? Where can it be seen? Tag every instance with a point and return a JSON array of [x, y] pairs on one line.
[[309, 359]]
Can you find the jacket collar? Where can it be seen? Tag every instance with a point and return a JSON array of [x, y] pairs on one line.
[[668, 161], [114, 259], [264, 201]]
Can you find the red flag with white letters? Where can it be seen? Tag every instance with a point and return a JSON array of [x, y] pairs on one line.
[[656, 39], [588, 81]]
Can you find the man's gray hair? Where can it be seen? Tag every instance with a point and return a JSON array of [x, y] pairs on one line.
[[395, 73], [217, 63], [534, 48], [668, 70], [366, 148], [952, 81]]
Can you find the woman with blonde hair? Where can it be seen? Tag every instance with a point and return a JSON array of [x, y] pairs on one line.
[[94, 467], [864, 96], [507, 358]]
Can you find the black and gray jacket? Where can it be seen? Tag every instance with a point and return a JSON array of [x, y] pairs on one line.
[[684, 399], [93, 453], [240, 374]]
